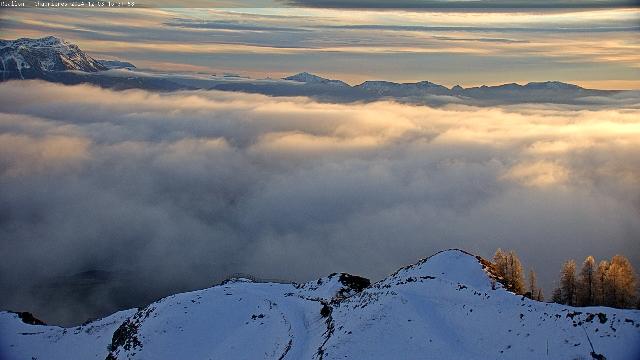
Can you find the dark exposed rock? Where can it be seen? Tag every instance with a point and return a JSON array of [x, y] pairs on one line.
[[602, 317], [354, 282], [326, 310], [28, 318]]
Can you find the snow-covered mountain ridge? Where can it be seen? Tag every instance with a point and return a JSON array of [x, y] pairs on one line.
[[55, 60], [382, 87], [308, 78], [29, 58], [447, 306]]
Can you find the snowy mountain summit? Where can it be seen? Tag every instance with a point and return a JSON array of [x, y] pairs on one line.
[[555, 85], [403, 89], [448, 306], [29, 58], [307, 78]]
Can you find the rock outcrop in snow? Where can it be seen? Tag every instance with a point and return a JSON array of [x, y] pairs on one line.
[[447, 306]]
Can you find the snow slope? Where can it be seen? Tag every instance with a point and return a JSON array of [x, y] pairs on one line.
[[444, 307]]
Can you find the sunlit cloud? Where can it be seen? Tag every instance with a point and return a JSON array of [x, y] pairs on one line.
[[460, 4], [540, 173], [24, 155], [229, 180]]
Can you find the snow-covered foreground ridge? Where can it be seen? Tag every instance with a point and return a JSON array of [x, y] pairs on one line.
[[444, 307]]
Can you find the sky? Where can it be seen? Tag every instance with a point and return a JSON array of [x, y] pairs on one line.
[[596, 47]]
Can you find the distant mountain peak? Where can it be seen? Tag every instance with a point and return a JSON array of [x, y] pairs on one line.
[[30, 58], [552, 85], [45, 41], [308, 78], [390, 88], [378, 83]]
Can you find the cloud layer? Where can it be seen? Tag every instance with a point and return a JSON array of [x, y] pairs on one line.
[[182, 189], [463, 4]]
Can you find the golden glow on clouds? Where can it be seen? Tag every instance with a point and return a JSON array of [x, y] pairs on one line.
[[208, 171], [181, 48], [26, 154], [301, 145], [540, 173], [536, 145], [441, 18]]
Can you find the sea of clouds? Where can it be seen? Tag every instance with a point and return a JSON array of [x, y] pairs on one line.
[[179, 190]]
